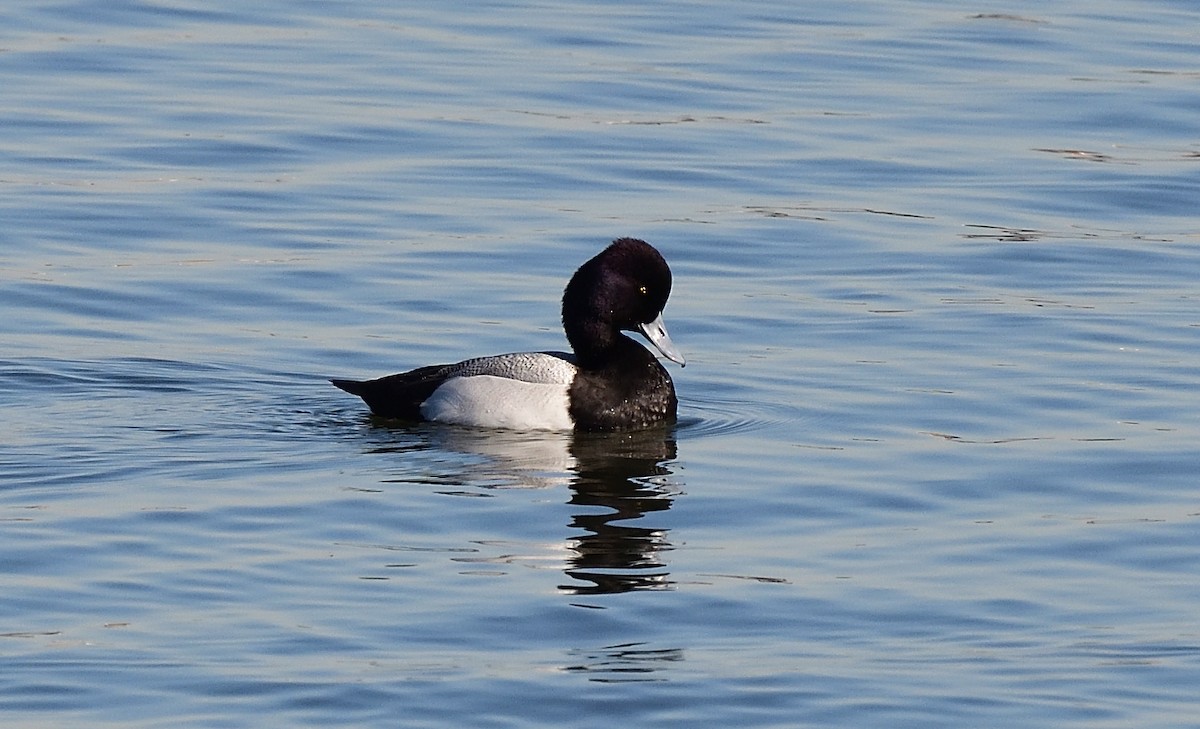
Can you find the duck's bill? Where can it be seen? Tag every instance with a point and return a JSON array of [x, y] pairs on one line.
[[656, 332]]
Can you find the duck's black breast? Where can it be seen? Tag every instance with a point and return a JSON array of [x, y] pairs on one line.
[[628, 390]]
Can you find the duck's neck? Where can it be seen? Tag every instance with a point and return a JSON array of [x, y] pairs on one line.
[[595, 342]]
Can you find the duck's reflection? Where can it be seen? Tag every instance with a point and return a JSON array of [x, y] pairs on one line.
[[626, 476], [616, 480]]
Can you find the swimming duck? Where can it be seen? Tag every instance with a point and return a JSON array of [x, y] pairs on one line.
[[609, 382]]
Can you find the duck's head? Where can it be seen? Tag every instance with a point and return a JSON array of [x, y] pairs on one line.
[[625, 287]]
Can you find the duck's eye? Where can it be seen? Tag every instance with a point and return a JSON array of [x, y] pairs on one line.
[[642, 289]]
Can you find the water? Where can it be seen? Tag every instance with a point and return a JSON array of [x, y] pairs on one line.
[[935, 280]]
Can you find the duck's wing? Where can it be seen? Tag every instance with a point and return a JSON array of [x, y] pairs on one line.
[[400, 396], [539, 368]]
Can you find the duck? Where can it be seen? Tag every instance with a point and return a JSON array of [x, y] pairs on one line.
[[608, 382]]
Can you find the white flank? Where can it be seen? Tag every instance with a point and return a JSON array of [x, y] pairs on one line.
[[486, 401]]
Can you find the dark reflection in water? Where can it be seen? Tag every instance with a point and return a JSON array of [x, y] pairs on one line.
[[625, 663], [627, 477], [616, 478]]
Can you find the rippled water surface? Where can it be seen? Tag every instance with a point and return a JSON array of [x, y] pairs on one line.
[[935, 278]]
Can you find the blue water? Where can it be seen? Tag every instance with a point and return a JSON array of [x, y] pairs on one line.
[[935, 279]]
